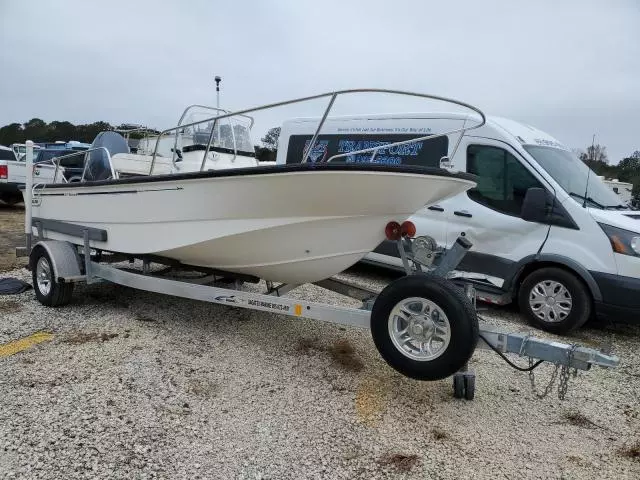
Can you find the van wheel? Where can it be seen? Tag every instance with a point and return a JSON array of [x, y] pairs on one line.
[[554, 300], [424, 327]]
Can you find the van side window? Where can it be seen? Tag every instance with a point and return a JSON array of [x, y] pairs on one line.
[[502, 180]]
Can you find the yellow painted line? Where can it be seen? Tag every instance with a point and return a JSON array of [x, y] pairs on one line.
[[17, 346]]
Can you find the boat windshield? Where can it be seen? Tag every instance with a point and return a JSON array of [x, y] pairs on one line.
[[571, 173], [223, 137]]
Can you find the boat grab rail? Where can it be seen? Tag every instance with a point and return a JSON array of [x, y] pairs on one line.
[[57, 160], [333, 95], [206, 107]]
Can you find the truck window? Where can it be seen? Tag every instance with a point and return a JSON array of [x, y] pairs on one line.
[[7, 155], [502, 180]]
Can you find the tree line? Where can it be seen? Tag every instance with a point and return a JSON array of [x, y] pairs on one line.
[[626, 170], [38, 130]]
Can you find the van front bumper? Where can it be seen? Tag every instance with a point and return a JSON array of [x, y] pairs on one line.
[[620, 297]]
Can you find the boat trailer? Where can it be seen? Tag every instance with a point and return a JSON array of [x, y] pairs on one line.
[[423, 325]]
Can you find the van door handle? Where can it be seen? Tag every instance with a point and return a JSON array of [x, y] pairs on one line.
[[462, 213], [436, 208]]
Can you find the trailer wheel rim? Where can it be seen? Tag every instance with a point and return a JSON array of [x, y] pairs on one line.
[[43, 276], [419, 329], [550, 301]]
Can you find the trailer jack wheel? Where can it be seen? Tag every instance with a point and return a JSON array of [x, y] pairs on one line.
[[424, 327], [464, 385], [458, 386]]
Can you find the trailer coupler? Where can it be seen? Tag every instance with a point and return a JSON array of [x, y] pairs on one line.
[[525, 345], [564, 356]]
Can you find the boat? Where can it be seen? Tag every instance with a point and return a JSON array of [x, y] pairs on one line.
[[201, 202]]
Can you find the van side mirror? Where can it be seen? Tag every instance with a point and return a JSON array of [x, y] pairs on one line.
[[534, 205]]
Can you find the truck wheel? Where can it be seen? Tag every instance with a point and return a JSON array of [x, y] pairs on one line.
[[424, 327], [48, 291], [11, 200], [554, 300]]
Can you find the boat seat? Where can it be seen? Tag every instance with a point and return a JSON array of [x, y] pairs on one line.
[[97, 161]]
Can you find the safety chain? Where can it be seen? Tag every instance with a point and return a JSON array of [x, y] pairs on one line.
[[532, 379], [563, 385]]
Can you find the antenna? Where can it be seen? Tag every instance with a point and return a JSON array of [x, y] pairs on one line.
[[215, 122], [586, 187], [217, 80]]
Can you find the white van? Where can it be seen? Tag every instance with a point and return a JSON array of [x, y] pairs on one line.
[[546, 232]]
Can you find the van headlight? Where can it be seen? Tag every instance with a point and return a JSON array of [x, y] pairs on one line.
[[622, 241]]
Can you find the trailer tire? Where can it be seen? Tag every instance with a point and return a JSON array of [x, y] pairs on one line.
[[48, 291], [446, 315], [566, 288]]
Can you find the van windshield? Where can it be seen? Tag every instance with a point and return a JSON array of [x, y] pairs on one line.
[[571, 173]]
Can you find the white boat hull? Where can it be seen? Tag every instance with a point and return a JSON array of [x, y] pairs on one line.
[[293, 225]]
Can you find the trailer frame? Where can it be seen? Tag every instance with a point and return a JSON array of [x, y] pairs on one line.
[[78, 262]]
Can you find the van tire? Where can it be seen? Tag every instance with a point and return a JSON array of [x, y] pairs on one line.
[[566, 286]]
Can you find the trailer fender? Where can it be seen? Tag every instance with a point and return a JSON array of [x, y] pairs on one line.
[[64, 258]]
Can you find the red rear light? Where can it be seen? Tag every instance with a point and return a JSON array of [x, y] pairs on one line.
[[4, 171], [393, 231], [408, 229]]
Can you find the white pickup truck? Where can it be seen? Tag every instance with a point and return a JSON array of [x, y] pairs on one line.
[[13, 175]]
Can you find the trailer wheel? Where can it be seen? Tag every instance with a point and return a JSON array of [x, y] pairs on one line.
[[48, 291], [554, 300], [424, 327]]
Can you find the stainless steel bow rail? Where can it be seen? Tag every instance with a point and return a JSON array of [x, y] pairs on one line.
[[57, 265], [332, 98], [221, 114]]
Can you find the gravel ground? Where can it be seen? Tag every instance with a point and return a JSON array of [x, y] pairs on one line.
[[139, 385], [11, 234]]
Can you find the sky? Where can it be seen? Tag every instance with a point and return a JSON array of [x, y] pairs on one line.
[[570, 68]]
